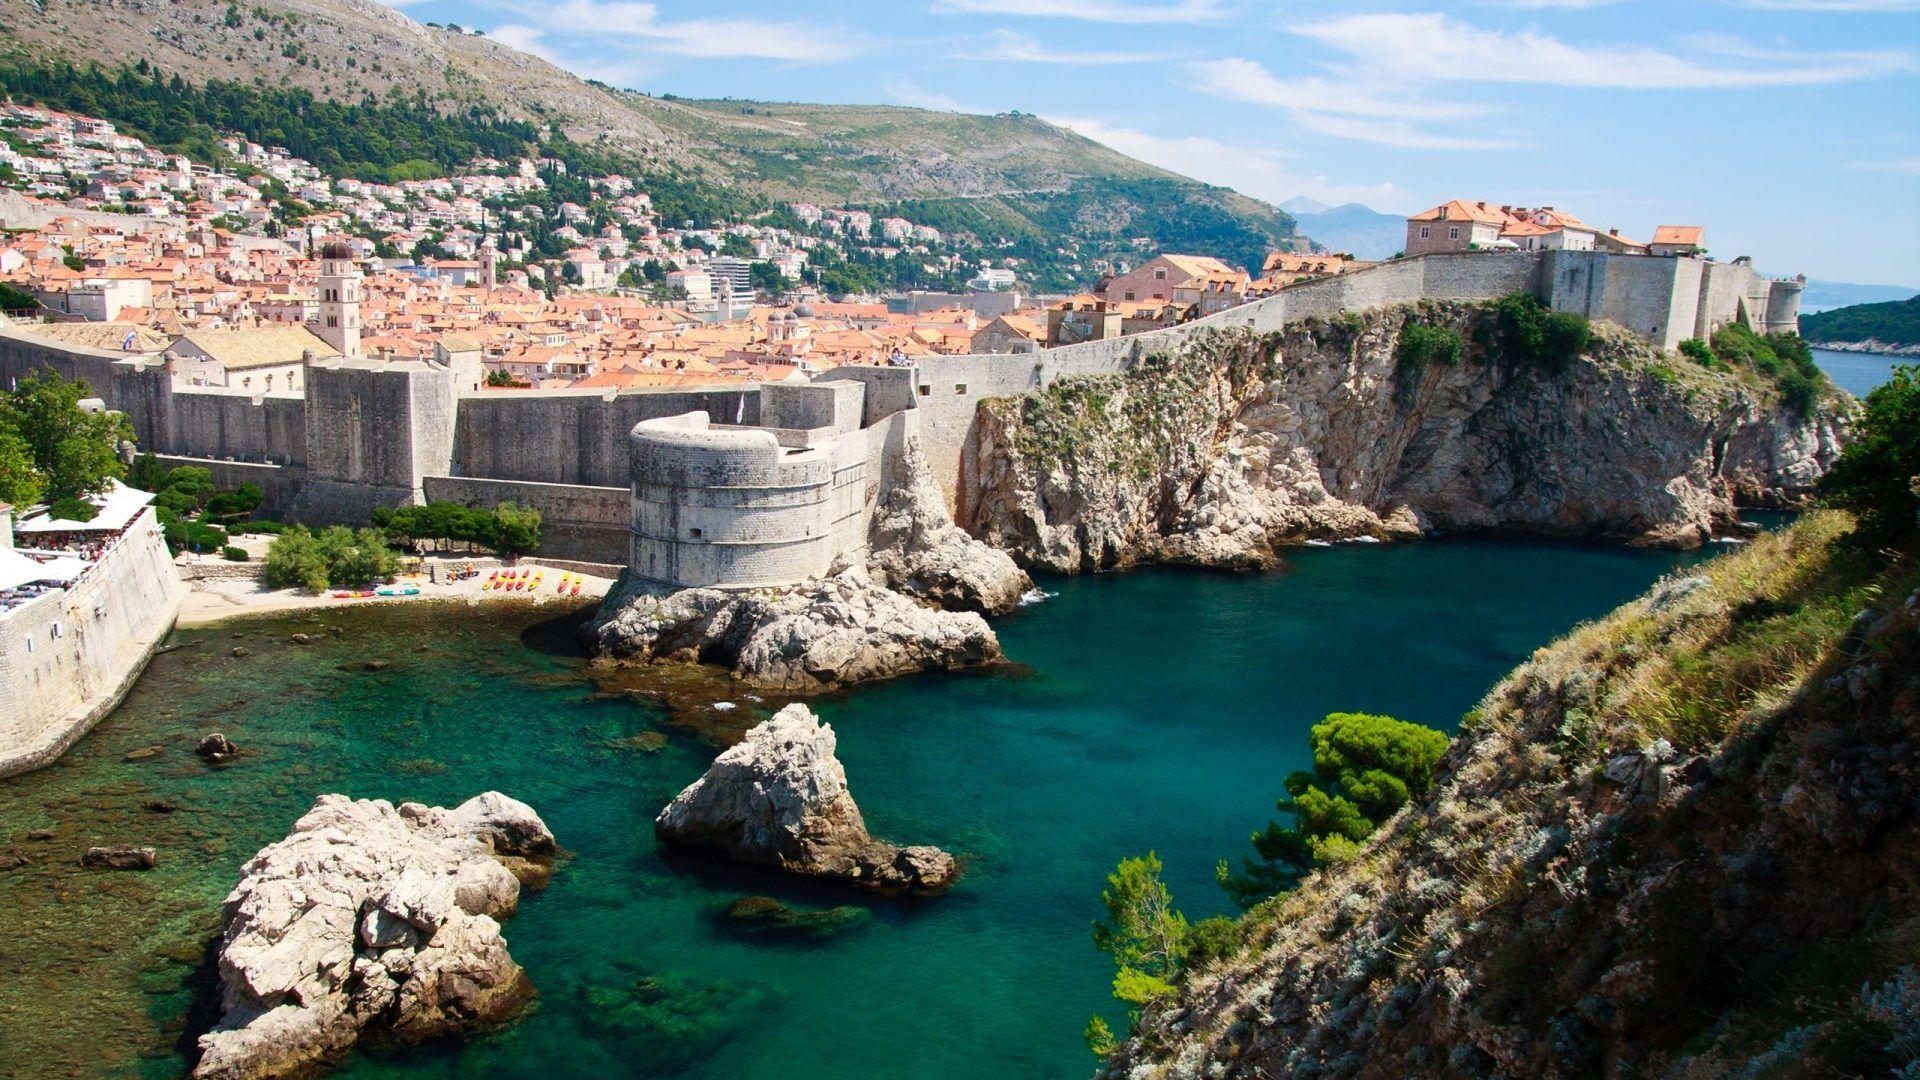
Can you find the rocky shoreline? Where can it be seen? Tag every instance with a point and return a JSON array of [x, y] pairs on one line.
[[1225, 453], [1876, 348], [779, 798], [370, 922], [915, 604]]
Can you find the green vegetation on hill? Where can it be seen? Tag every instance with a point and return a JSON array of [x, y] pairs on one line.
[[1876, 473], [1781, 359], [1895, 322], [386, 141]]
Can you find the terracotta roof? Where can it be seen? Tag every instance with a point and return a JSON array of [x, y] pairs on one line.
[[258, 346], [1679, 234]]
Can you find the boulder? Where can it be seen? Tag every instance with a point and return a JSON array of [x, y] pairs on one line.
[[118, 858], [370, 920], [779, 798], [216, 747], [815, 636]]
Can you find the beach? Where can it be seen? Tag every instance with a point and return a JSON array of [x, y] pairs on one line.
[[214, 599]]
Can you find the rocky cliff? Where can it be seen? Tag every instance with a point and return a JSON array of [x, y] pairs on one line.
[[1684, 841], [1239, 444]]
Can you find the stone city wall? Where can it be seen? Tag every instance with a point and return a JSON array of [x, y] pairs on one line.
[[575, 436], [68, 657], [576, 521]]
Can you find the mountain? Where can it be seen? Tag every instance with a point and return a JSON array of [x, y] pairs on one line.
[[1895, 324], [1364, 232], [1826, 295], [1012, 172]]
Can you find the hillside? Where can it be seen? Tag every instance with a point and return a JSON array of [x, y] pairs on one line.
[[1030, 176], [1682, 841], [1359, 230], [1894, 324]]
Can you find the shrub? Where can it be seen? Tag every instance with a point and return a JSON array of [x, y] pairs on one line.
[[1531, 335], [1785, 359], [1422, 346], [234, 554], [265, 528], [234, 504], [1699, 352], [302, 559], [1875, 474]]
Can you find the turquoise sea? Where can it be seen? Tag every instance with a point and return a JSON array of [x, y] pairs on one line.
[[1858, 373], [1154, 710]]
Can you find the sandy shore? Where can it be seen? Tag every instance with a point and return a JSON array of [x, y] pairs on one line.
[[213, 600]]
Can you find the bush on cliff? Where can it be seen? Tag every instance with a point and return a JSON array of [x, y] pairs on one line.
[[302, 559], [1784, 359], [1875, 474], [1531, 335], [1420, 347], [1365, 768]]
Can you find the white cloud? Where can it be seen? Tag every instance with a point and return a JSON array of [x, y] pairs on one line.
[[1351, 109], [1252, 170], [908, 92], [1833, 5], [1897, 166], [1107, 11], [1007, 45], [704, 38], [1437, 48]]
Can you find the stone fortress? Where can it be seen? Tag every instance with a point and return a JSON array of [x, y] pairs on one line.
[[737, 488]]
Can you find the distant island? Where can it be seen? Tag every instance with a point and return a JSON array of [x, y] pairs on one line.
[[1892, 327]]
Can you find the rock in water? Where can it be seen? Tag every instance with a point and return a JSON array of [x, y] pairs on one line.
[[368, 919], [780, 798], [118, 858], [216, 747], [817, 635]]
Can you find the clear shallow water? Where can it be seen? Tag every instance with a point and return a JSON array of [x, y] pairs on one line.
[[1857, 373], [1155, 710]]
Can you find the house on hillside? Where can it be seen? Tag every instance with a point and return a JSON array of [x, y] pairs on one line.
[[1673, 240], [1164, 276], [1008, 334], [1085, 317], [1456, 226]]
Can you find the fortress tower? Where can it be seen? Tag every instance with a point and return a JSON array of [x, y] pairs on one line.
[[340, 279]]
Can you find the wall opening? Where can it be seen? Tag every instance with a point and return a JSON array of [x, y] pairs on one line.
[[959, 388]]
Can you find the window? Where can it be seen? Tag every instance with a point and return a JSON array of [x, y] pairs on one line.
[[1453, 233], [925, 390], [56, 631], [1130, 295], [695, 533], [1159, 275], [1426, 232], [959, 388]]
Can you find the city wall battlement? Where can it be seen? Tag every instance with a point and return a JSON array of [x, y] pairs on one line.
[[368, 433]]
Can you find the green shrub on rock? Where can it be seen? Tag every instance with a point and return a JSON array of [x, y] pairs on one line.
[[1531, 335], [1420, 347]]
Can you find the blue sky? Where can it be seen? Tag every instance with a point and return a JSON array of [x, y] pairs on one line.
[[1789, 128]]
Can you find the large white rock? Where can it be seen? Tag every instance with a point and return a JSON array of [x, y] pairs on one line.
[[370, 918], [779, 798], [817, 635]]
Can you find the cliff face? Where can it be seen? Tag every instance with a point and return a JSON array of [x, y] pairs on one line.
[[1684, 841], [1239, 444]]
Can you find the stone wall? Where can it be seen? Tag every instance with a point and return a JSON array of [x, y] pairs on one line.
[[68, 657], [576, 521], [574, 436]]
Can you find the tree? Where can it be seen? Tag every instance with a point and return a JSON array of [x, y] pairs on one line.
[[302, 559], [1365, 768], [74, 452], [295, 561], [1875, 474], [1143, 933], [20, 483], [519, 529]]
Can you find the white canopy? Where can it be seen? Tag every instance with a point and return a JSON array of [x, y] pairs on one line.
[[119, 504], [17, 569]]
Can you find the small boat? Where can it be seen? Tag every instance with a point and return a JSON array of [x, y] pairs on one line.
[[345, 595], [576, 589]]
